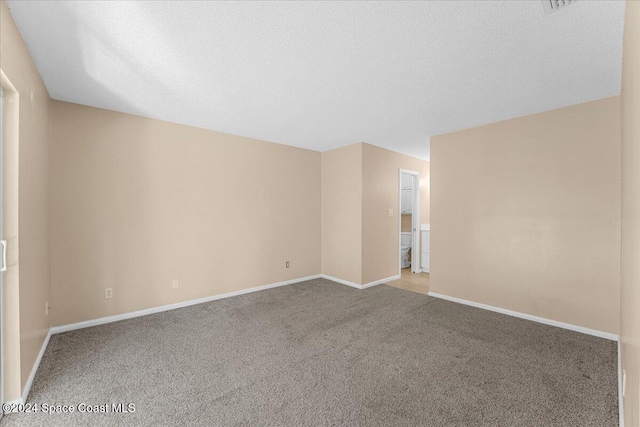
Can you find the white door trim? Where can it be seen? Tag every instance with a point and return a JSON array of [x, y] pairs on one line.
[[620, 384], [11, 95], [4, 263]]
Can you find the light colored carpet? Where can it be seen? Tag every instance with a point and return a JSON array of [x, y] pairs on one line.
[[320, 353]]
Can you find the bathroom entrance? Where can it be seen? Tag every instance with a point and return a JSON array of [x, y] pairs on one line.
[[409, 221], [413, 239]]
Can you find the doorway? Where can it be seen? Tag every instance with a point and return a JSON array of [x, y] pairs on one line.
[[409, 220], [411, 274]]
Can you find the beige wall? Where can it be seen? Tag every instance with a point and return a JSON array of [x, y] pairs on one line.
[[138, 202], [381, 192], [31, 264], [342, 213], [526, 214], [630, 290]]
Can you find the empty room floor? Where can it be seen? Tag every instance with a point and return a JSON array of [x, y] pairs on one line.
[[321, 353], [414, 282]]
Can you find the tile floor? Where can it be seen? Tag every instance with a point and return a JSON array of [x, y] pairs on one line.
[[415, 282]]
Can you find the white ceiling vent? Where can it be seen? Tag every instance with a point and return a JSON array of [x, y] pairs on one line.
[[553, 5]]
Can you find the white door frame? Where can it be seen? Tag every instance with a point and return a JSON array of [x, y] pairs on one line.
[[9, 112], [3, 267], [415, 221]]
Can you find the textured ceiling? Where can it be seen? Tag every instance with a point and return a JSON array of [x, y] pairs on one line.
[[321, 75]]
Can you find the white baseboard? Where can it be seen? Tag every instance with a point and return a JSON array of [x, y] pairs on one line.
[[153, 310], [341, 281], [357, 286], [15, 402], [601, 334], [379, 282], [32, 375]]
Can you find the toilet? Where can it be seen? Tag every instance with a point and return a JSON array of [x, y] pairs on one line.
[[405, 246]]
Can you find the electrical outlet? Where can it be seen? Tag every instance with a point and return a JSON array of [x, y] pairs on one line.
[[624, 383], [46, 308], [287, 264], [108, 293], [390, 212], [175, 284]]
